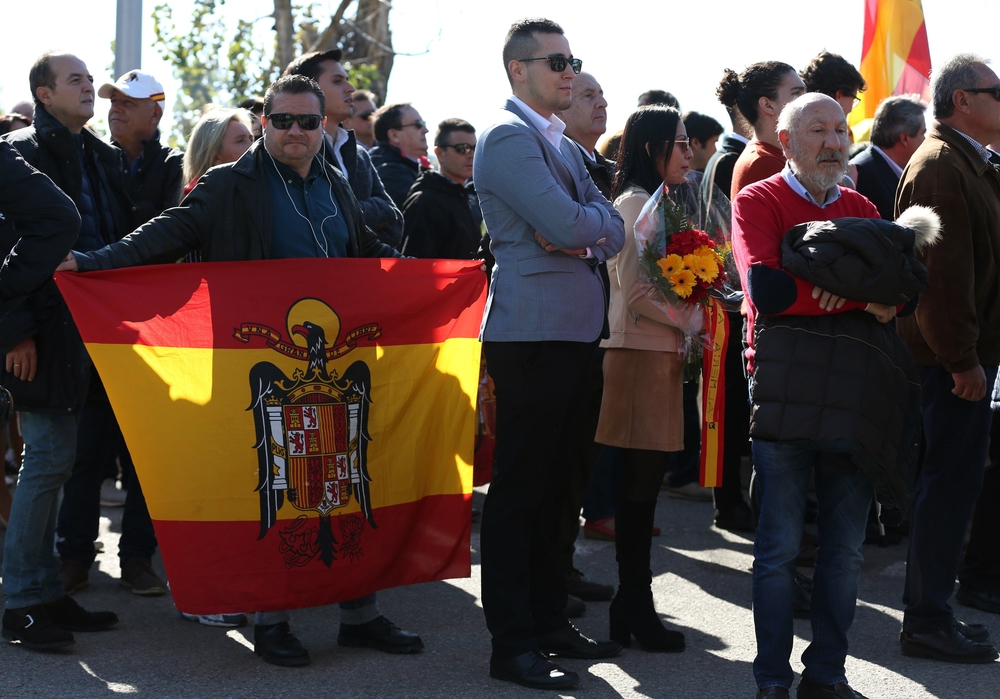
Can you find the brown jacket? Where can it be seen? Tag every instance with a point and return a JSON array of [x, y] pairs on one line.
[[957, 323], [635, 321]]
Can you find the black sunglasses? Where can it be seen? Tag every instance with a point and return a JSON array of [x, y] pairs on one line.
[[558, 63], [419, 123], [461, 148], [365, 116], [283, 122], [994, 91]]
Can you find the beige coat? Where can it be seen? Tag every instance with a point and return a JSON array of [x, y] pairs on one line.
[[635, 322]]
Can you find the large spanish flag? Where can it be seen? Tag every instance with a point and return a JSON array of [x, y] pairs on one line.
[[895, 58], [303, 429]]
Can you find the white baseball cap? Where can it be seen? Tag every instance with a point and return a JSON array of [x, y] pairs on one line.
[[134, 83]]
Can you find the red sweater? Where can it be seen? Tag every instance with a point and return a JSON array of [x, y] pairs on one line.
[[762, 213], [757, 162]]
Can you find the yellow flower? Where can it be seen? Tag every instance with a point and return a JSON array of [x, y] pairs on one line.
[[703, 251], [690, 261], [706, 268], [670, 265], [683, 283]]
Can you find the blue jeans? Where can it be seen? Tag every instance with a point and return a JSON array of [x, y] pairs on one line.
[[29, 565], [782, 477]]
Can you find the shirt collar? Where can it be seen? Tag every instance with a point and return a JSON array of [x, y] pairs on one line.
[[739, 137], [892, 163], [789, 176], [983, 152], [551, 128]]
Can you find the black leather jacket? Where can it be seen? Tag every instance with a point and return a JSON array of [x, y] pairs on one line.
[[227, 217]]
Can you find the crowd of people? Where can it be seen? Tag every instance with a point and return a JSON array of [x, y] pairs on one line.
[[860, 370]]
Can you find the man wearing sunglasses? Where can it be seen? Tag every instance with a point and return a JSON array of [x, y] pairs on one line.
[[341, 149], [362, 119], [954, 337], [550, 229], [277, 201], [442, 213], [400, 152]]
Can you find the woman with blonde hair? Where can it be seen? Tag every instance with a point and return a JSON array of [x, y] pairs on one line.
[[221, 136]]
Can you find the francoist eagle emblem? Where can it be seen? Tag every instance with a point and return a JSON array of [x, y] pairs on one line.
[[312, 434]]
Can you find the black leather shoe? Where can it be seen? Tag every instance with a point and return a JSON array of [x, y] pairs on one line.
[[948, 645], [578, 586], [275, 644], [986, 600], [575, 608], [65, 612], [811, 690], [772, 693], [974, 632], [735, 519], [568, 642], [33, 628], [533, 670], [381, 634]]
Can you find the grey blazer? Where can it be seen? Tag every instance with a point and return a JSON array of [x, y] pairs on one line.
[[526, 185]]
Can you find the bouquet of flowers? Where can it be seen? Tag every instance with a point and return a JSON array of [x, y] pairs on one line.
[[681, 265]]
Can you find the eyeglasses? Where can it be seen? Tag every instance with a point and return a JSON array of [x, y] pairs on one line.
[[283, 122], [461, 148], [365, 116], [993, 91], [558, 62], [684, 143], [419, 123]]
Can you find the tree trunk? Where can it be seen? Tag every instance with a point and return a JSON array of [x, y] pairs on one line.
[[284, 27]]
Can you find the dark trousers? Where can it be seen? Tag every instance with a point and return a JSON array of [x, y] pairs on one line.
[[956, 433], [980, 568], [685, 466], [539, 391], [605, 484], [98, 441], [584, 452], [737, 419]]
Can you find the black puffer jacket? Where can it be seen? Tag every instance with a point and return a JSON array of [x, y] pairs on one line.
[[844, 382], [442, 219], [156, 184], [63, 373]]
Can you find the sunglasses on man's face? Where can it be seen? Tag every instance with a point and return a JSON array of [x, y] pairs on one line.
[[365, 116], [558, 63], [992, 91], [283, 122], [461, 148]]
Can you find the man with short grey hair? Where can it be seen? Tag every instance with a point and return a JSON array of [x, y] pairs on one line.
[[954, 337], [897, 131], [790, 445]]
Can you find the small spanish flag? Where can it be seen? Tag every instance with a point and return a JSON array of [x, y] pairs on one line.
[[303, 429], [895, 58]]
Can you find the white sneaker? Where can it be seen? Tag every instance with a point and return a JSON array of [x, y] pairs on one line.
[[111, 496], [228, 621]]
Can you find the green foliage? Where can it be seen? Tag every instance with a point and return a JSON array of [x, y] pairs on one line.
[[364, 76]]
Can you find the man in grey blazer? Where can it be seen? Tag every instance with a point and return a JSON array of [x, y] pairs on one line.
[[550, 228]]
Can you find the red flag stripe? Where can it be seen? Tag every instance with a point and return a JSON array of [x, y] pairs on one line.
[[202, 305]]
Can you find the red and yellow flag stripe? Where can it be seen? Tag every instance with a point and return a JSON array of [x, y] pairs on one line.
[[175, 346]]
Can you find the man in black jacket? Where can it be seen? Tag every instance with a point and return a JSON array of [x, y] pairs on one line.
[[400, 152], [47, 368], [342, 150], [441, 213], [278, 201], [897, 130], [151, 177]]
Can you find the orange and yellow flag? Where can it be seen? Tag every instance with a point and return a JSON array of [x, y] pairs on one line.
[[303, 429], [895, 58]]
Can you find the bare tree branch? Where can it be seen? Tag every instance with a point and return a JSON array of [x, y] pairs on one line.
[[386, 49], [331, 30]]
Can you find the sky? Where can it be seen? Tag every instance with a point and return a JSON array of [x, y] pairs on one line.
[[449, 65]]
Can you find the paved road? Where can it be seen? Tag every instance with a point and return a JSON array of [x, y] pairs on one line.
[[702, 586]]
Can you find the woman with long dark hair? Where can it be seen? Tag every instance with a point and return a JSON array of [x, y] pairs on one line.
[[642, 410]]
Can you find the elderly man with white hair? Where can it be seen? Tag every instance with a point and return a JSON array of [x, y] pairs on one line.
[[825, 402]]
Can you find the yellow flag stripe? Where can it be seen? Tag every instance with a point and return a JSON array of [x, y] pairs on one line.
[[185, 419]]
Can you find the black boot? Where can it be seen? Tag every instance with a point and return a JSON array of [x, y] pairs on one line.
[[632, 611], [276, 644]]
